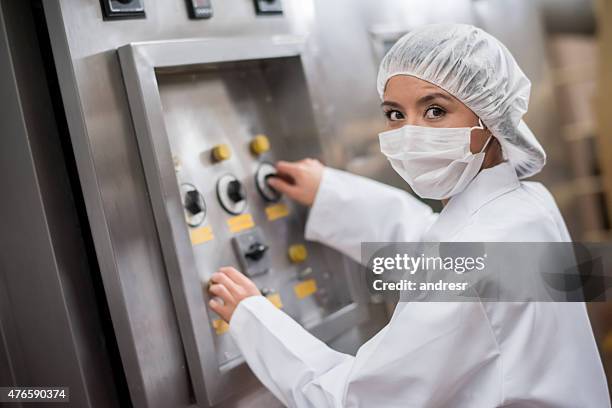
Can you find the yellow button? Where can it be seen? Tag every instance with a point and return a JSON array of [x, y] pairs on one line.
[[220, 326], [260, 144], [297, 253], [221, 152]]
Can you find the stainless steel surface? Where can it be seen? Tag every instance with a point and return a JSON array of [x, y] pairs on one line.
[[50, 332]]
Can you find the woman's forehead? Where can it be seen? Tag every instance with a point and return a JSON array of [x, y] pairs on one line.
[[408, 86]]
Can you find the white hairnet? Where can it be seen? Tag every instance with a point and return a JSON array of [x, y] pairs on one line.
[[477, 69]]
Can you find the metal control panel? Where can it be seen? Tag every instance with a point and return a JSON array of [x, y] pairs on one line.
[[211, 120]]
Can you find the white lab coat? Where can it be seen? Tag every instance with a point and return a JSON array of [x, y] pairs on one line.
[[467, 354]]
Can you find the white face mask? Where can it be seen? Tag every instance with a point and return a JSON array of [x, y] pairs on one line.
[[436, 162]]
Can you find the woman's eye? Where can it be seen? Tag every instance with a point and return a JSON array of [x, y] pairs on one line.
[[434, 112], [394, 115]]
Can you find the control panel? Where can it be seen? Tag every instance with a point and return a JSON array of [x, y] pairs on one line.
[[225, 133], [209, 135]]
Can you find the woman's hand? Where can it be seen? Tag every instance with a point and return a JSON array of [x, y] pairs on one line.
[[232, 287], [298, 180]]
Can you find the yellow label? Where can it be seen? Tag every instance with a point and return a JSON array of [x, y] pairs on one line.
[[275, 299], [220, 326], [200, 235], [305, 289], [240, 222], [276, 211]]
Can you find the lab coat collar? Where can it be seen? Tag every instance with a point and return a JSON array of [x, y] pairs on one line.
[[487, 185]]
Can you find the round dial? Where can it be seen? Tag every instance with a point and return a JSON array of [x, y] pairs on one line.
[[194, 204], [231, 194], [265, 171]]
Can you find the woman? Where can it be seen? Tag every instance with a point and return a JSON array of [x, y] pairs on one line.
[[454, 98]]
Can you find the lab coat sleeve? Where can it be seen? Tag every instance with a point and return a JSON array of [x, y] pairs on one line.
[[429, 355], [295, 366], [350, 209]]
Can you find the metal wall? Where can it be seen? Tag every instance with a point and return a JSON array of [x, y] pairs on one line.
[[50, 328]]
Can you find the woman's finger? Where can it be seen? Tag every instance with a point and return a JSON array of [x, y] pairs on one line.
[[222, 292], [282, 186], [219, 308], [223, 279], [237, 277], [292, 169]]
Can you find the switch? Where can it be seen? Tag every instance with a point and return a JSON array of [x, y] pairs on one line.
[[252, 252], [115, 9], [260, 144], [194, 204], [268, 7], [199, 9], [264, 172], [221, 152], [256, 251], [231, 194], [297, 253], [235, 191]]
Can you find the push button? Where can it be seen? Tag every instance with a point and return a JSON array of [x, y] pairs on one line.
[[297, 253], [260, 144], [221, 152]]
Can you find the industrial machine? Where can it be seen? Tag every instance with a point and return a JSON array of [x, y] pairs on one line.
[[138, 138]]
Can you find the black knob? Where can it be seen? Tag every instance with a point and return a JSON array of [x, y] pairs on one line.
[[235, 191], [192, 202], [256, 251]]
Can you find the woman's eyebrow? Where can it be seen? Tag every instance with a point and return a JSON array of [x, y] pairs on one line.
[[391, 103], [429, 97]]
